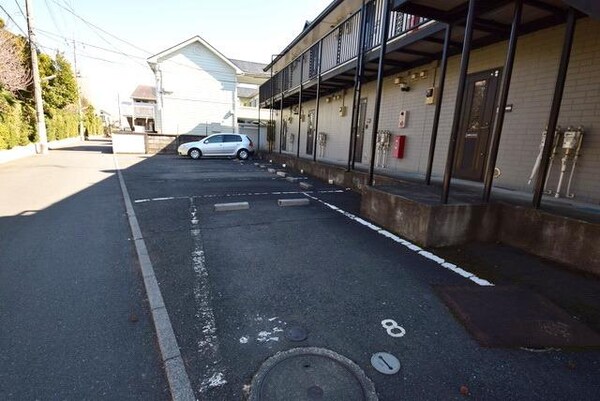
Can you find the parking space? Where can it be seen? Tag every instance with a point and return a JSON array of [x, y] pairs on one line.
[[236, 282]]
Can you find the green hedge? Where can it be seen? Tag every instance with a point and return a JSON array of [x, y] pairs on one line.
[[16, 122], [62, 124]]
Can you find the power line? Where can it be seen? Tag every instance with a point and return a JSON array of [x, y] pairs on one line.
[[70, 10], [14, 22], [49, 34], [52, 17], [45, 33], [20, 9]]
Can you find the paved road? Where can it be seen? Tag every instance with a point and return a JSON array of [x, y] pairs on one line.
[[74, 323], [234, 281]]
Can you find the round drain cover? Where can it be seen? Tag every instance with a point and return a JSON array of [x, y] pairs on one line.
[[307, 374], [296, 333], [385, 363]]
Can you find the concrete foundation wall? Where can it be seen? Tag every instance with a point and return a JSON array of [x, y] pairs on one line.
[[558, 238], [565, 240], [561, 239]]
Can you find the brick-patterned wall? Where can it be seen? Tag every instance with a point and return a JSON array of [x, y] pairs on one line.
[[532, 86]]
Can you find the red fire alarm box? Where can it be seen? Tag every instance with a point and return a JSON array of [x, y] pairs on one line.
[[399, 143]]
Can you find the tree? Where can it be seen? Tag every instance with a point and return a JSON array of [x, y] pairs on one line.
[[59, 89], [14, 74]]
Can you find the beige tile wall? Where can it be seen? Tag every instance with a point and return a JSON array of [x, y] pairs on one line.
[[532, 86]]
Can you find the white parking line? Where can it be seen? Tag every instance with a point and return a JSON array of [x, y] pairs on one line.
[[208, 343], [415, 248], [162, 199]]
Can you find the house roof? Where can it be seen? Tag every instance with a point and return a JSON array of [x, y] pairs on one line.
[[144, 92], [246, 92], [153, 60], [250, 67], [240, 66]]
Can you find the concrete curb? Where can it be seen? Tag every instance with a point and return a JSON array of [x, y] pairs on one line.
[[293, 202], [227, 207], [179, 381], [305, 185], [281, 173]]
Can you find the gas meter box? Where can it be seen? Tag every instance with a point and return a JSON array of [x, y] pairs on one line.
[[399, 144], [322, 138], [571, 139]]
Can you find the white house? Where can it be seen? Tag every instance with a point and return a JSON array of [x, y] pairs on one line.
[[199, 91]]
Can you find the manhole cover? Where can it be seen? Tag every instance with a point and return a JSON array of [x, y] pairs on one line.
[[296, 333], [385, 363], [307, 374]]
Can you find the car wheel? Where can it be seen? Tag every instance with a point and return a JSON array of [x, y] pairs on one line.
[[194, 153], [243, 154]]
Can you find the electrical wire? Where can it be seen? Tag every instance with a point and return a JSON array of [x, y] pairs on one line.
[[20, 9], [52, 17], [70, 10], [14, 22], [46, 33]]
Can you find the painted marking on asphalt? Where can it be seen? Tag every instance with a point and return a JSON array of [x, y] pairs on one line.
[[266, 336], [267, 330], [392, 328], [434, 258], [162, 199], [179, 381], [208, 343]]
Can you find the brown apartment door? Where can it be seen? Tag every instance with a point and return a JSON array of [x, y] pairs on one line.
[[479, 109], [360, 130], [310, 133]]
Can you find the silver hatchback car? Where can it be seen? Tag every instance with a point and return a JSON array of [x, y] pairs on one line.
[[238, 145]]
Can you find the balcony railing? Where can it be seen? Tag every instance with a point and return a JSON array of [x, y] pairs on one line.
[[340, 46]]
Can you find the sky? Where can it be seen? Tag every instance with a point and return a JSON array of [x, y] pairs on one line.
[[113, 38]]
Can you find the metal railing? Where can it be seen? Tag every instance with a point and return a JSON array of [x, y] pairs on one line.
[[340, 46]]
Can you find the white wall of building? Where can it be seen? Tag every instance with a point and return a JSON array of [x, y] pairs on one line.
[[199, 92]]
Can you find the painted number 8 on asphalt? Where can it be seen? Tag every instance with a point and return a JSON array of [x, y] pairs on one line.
[[392, 328]]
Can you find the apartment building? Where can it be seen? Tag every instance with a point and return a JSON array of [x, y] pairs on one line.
[[458, 93]]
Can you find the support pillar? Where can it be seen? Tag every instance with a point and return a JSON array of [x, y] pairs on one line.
[[505, 86], [281, 123], [382, 50], [555, 108], [357, 86], [300, 105], [438, 105], [318, 102], [462, 78]]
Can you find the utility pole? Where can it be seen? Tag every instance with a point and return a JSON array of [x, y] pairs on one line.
[[77, 76], [119, 106], [37, 88]]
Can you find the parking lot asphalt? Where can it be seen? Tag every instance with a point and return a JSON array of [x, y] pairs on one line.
[[234, 282]]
